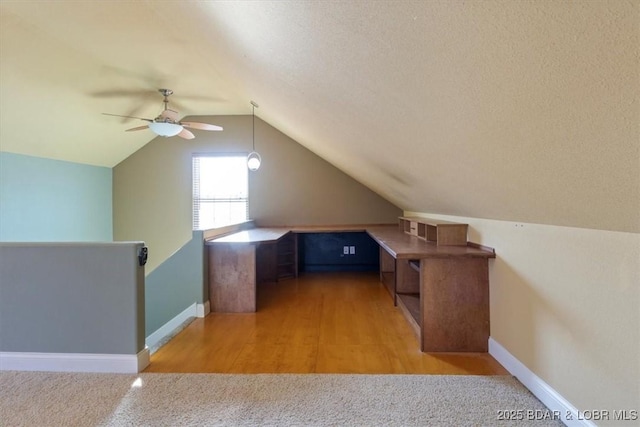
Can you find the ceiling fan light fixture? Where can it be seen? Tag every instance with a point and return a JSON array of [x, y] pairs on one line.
[[165, 129]]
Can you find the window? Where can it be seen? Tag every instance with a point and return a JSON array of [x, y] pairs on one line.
[[220, 190]]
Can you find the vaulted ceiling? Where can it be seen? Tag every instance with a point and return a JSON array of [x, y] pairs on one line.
[[521, 111]]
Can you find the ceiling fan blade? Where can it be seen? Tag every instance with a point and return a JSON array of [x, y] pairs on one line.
[[137, 128], [200, 126], [129, 117], [186, 134], [125, 93]]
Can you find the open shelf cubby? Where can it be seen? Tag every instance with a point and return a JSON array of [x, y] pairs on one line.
[[442, 233]]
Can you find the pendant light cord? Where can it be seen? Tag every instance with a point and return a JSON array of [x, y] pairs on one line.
[[253, 159], [253, 122]]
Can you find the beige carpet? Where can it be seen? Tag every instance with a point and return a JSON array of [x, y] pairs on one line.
[[63, 399]]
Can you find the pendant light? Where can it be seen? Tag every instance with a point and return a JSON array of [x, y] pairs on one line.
[[253, 159]]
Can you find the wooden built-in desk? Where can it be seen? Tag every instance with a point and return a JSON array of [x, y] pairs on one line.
[[442, 290], [238, 261]]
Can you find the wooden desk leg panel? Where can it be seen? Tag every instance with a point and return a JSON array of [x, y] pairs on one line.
[[388, 272], [454, 301], [232, 278]]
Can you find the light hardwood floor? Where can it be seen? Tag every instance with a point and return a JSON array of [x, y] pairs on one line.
[[317, 323]]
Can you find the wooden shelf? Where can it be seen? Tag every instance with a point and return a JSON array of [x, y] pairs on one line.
[[410, 306], [442, 233], [277, 260], [287, 260]]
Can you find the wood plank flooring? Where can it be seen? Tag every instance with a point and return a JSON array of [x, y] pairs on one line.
[[317, 323]]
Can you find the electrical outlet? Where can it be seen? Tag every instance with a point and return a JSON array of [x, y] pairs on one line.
[[345, 250], [352, 250]]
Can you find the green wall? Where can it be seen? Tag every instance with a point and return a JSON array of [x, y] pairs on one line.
[[175, 285], [43, 200]]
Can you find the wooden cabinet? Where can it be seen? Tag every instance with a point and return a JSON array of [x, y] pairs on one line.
[[442, 233], [232, 278], [454, 304]]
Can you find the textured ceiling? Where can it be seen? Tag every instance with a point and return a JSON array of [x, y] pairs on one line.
[[522, 111]]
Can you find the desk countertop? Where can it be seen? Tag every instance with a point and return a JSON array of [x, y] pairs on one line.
[[272, 234], [394, 241], [402, 245], [252, 236]]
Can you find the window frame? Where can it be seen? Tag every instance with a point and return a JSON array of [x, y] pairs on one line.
[[194, 199]]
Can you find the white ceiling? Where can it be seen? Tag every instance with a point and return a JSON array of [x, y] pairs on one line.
[[523, 111]]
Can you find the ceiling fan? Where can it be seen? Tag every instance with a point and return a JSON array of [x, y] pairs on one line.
[[167, 123]]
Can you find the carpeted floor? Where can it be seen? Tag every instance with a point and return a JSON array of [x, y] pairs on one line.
[[72, 399]]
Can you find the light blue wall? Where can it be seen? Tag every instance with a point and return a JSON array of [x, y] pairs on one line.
[[43, 200]]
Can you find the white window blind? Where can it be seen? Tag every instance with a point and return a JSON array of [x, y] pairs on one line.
[[220, 190]]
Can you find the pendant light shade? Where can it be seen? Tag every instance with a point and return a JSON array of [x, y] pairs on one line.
[[253, 159]]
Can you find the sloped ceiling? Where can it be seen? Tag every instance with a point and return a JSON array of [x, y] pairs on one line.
[[522, 111]]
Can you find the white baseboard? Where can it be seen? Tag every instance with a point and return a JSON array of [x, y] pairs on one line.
[[144, 359], [75, 362], [552, 399], [166, 329], [203, 309]]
